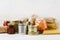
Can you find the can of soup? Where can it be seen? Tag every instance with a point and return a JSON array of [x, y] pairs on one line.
[[32, 30], [22, 28]]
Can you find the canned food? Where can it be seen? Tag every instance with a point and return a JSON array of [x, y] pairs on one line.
[[15, 24], [22, 27], [32, 29], [11, 29]]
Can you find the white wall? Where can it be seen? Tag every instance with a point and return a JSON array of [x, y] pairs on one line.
[[15, 9]]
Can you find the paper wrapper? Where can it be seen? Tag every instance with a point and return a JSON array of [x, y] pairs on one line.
[[51, 32], [3, 29]]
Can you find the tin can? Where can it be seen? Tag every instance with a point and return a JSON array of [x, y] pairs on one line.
[[22, 28], [32, 30], [15, 23], [11, 29]]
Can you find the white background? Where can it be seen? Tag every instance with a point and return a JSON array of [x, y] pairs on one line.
[[16, 9]]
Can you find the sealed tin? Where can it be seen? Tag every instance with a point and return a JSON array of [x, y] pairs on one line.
[[21, 27], [11, 29], [15, 23], [32, 29]]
